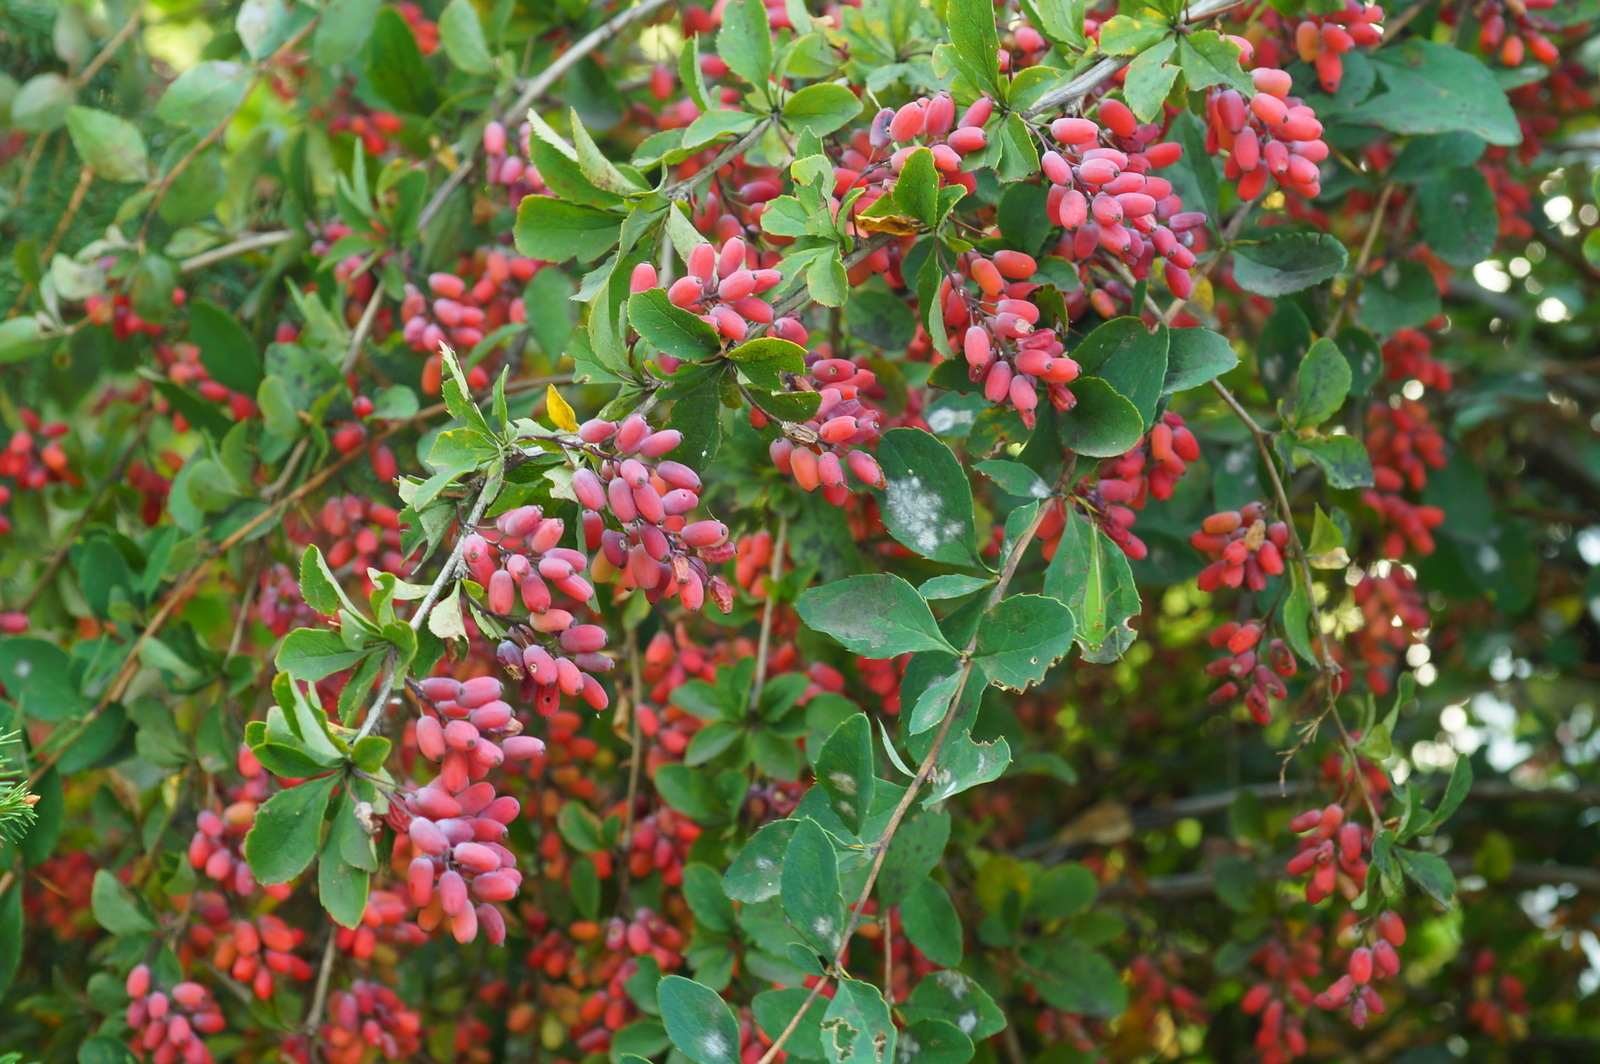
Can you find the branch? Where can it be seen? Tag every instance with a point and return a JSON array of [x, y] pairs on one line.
[[1199, 884], [252, 242], [1097, 75], [1013, 560], [534, 88]]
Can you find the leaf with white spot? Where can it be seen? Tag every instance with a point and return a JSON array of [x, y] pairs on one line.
[[810, 889], [1021, 638], [698, 1021], [845, 770], [874, 616], [857, 1029], [928, 503]]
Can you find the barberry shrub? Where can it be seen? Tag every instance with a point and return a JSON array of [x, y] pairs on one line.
[[871, 531]]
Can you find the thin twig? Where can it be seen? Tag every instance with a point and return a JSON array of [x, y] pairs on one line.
[[534, 88], [386, 682], [881, 846], [111, 46], [319, 997], [79, 191], [1229, 235], [253, 242], [28, 167], [733, 150], [635, 766], [1359, 273], [764, 642]]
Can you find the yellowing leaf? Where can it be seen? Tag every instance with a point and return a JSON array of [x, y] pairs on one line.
[[561, 413]]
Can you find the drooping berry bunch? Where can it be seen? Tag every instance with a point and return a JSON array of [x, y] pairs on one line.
[[1286, 962], [1269, 135], [1515, 29], [484, 293], [251, 951], [1334, 853], [655, 547], [817, 451], [33, 458], [1244, 548], [1323, 40], [1102, 192], [1374, 959], [507, 168], [724, 288], [1403, 444], [457, 821], [1258, 675], [369, 1016], [1155, 464], [167, 1025], [1408, 355], [216, 848], [995, 330], [1396, 616], [1499, 1006], [930, 123]]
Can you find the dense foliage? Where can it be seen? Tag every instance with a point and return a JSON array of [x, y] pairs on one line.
[[799, 530]]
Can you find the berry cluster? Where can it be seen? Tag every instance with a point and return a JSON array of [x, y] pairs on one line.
[[251, 951], [724, 288], [1287, 963], [1260, 676], [1408, 355], [520, 178], [167, 1027], [1376, 960], [33, 458], [1513, 31], [1396, 616], [457, 821], [1102, 193], [369, 1016], [1333, 852], [1244, 548], [216, 848], [811, 451], [484, 293], [1272, 134], [1403, 445], [927, 123], [656, 549], [1324, 40], [1155, 464]]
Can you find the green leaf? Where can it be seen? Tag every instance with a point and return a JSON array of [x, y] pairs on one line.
[[876, 616], [1287, 262], [745, 42], [932, 923], [1014, 478], [916, 190], [1437, 88], [1403, 294], [115, 907], [342, 884], [1092, 576], [314, 654], [22, 338], [964, 764], [1458, 216], [1342, 459], [698, 1021], [226, 350], [977, 44], [1021, 638], [1149, 79], [752, 876], [557, 231], [671, 329], [318, 586], [765, 360], [103, 1049], [1132, 34], [809, 882], [821, 108], [11, 938], [935, 1041], [1103, 424], [927, 505], [344, 28], [845, 770], [1063, 892], [713, 124], [1130, 358], [462, 36], [395, 69], [110, 146], [856, 1028], [914, 852], [1455, 792], [775, 1009], [1297, 621], [1320, 386], [37, 676], [1196, 356], [952, 585], [208, 92], [1431, 874], [1208, 59], [287, 829], [957, 999], [1082, 981], [40, 105], [1019, 155]]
